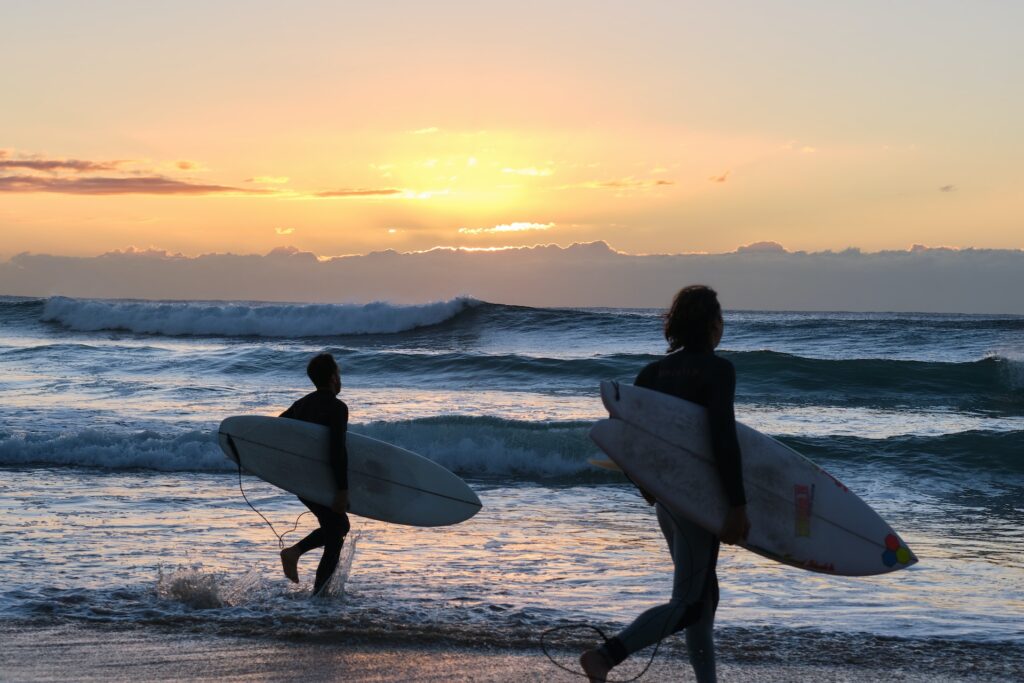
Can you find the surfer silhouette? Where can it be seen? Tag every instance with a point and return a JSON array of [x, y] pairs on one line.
[[323, 407], [691, 371]]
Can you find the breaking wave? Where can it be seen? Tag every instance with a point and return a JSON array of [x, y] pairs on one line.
[[248, 319]]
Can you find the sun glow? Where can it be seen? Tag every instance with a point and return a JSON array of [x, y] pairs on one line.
[[457, 119], [510, 227]]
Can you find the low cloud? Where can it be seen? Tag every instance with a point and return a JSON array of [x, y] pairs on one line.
[[947, 188], [424, 131], [720, 178], [284, 231], [928, 279], [359, 192], [52, 165], [509, 227], [113, 186], [78, 176]]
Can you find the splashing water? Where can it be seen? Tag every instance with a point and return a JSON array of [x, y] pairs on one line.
[[200, 589], [335, 587], [193, 587]]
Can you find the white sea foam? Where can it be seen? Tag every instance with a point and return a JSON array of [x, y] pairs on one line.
[[241, 319], [190, 451]]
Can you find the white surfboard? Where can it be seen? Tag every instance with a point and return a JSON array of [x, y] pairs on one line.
[[386, 482], [800, 515]]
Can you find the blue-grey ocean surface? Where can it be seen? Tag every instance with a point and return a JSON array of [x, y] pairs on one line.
[[118, 508]]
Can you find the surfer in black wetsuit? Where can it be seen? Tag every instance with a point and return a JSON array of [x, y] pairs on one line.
[[323, 407], [691, 371]]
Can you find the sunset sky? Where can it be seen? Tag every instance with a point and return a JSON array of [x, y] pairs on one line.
[[658, 127]]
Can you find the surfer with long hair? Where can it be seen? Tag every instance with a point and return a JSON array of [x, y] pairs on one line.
[[691, 371]]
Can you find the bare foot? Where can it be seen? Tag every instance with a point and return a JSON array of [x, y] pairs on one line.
[[290, 564], [595, 665]]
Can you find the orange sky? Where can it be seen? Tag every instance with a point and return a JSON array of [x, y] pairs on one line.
[[658, 127]]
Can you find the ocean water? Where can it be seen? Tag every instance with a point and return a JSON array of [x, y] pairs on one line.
[[118, 508]]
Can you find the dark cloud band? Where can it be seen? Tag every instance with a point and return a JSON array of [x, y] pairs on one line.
[[114, 186]]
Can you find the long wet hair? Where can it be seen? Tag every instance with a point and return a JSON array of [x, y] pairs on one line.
[[692, 318]]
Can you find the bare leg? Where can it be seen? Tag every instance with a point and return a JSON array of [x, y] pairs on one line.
[[290, 563]]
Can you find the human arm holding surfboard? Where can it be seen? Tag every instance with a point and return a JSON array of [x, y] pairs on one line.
[[726, 447], [339, 455]]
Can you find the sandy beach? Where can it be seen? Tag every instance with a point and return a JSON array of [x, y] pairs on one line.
[[63, 653]]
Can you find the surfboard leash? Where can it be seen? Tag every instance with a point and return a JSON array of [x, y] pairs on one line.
[[280, 537], [580, 625]]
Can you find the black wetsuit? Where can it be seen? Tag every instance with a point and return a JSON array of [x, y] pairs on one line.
[[324, 408], [706, 379]]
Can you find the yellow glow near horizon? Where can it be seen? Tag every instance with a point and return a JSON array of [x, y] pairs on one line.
[[677, 129]]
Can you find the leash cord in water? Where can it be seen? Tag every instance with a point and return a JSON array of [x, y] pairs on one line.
[[664, 633]]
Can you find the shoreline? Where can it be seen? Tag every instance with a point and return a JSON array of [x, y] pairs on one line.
[[33, 653]]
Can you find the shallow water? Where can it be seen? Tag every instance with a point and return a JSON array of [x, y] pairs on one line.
[[108, 546], [117, 507]]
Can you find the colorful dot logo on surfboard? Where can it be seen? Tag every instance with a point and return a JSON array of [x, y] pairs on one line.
[[896, 552]]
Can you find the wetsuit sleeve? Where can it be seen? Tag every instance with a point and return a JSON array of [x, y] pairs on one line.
[[339, 452], [722, 423]]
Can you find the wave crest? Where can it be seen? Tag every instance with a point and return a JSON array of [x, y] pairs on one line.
[[241, 319]]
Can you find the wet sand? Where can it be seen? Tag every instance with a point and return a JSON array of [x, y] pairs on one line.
[[76, 653]]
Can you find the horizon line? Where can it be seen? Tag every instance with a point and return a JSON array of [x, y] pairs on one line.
[[754, 248]]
